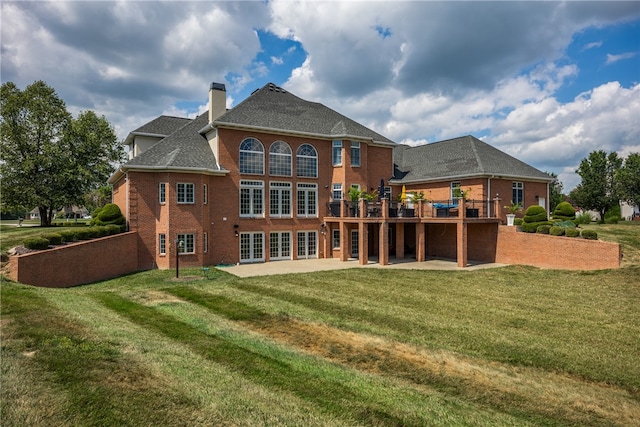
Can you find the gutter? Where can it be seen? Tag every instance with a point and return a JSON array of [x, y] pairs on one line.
[[124, 169]]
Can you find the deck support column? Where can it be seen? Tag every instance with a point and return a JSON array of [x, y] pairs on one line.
[[363, 243], [420, 245], [399, 240], [461, 244], [383, 257], [345, 247]]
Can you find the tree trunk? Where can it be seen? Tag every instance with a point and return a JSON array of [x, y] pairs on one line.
[[46, 215]]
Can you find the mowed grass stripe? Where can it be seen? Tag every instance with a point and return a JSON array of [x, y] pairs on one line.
[[100, 386], [532, 394], [332, 396]]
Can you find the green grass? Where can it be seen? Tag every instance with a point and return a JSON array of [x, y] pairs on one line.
[[507, 346]]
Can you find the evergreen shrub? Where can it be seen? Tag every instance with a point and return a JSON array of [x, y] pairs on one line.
[[108, 214], [556, 231], [53, 238], [36, 243], [564, 211], [68, 235], [113, 229], [589, 234], [543, 229], [83, 234], [518, 221], [572, 232]]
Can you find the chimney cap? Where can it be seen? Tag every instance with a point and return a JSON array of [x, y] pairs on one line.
[[217, 86]]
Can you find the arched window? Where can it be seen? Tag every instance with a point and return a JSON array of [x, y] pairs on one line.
[[280, 159], [307, 161], [251, 157]]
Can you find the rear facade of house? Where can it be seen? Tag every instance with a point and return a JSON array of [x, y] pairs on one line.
[[270, 180]]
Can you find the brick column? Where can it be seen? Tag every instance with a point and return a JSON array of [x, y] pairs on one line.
[[462, 210], [399, 240], [385, 208], [363, 243], [345, 247], [384, 243], [420, 239], [461, 244], [496, 207]]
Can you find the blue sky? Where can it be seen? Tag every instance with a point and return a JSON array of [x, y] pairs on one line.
[[547, 82]]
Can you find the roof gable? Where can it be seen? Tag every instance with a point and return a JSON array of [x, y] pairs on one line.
[[457, 158], [163, 125], [273, 108]]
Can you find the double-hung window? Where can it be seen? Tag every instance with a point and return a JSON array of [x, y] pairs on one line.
[[185, 192], [188, 243], [337, 153], [307, 200], [336, 238], [455, 191], [336, 192], [518, 193], [162, 193], [251, 198], [205, 196], [280, 199], [162, 244], [355, 153]]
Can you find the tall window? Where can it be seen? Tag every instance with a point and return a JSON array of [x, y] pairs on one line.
[[162, 193], [186, 192], [280, 245], [251, 157], [280, 199], [205, 196], [188, 243], [336, 192], [205, 242], [455, 190], [336, 238], [518, 193], [355, 153], [280, 159], [307, 161], [162, 244], [251, 247], [337, 153], [251, 198], [307, 200]]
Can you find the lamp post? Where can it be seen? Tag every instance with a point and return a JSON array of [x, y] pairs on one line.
[[179, 244]]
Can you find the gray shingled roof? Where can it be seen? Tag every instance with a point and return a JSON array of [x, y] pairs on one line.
[[272, 107], [163, 125], [457, 158], [183, 149]]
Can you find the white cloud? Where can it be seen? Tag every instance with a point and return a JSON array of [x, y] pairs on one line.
[[615, 58], [592, 45]]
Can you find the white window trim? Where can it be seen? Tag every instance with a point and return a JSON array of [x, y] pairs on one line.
[[183, 237], [279, 186], [205, 196], [162, 244], [334, 188], [251, 185], [162, 193], [280, 256], [307, 188], [193, 194], [335, 144], [333, 238], [356, 144]]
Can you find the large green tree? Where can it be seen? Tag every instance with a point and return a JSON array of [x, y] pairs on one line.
[[598, 190], [555, 191], [50, 159], [628, 180]]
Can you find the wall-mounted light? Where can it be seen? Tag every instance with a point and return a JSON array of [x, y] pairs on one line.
[[537, 197], [235, 229], [323, 228]]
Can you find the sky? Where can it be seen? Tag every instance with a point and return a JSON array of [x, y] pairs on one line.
[[546, 82]]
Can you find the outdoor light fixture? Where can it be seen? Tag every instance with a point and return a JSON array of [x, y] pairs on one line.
[[235, 229], [323, 228], [179, 244]]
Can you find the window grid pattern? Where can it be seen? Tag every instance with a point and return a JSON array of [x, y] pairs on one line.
[[454, 186], [307, 244], [518, 193], [205, 196], [355, 153], [280, 199], [337, 153], [307, 200], [251, 247], [162, 193], [307, 161], [355, 243], [188, 243], [162, 244], [186, 192], [205, 242], [251, 157], [336, 192], [280, 159], [280, 245], [251, 198], [336, 238]]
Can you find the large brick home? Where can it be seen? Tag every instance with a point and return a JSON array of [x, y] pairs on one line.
[[270, 179]]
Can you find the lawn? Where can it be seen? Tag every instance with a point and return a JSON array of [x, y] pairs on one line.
[[507, 346]]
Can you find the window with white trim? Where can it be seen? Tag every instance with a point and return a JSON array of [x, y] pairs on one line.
[[518, 193], [280, 199], [162, 244], [455, 189], [355, 153], [186, 192], [307, 244], [251, 157], [307, 161], [336, 192], [335, 234], [280, 245], [205, 242], [162, 193], [280, 159], [336, 155], [205, 196], [188, 243], [251, 247], [307, 200], [251, 198]]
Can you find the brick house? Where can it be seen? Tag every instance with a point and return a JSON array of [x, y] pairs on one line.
[[269, 179]]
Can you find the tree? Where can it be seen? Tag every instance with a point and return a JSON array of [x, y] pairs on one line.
[[598, 190], [628, 180], [50, 160], [555, 191]]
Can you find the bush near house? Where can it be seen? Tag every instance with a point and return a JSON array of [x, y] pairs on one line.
[[556, 231], [37, 243], [53, 238], [83, 234], [589, 234], [564, 211], [68, 235], [572, 232], [534, 217], [108, 214], [543, 229]]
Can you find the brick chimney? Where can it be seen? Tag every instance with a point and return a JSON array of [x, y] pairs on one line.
[[217, 101]]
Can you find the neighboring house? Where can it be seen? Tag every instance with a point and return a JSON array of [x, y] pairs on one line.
[[268, 179], [34, 214]]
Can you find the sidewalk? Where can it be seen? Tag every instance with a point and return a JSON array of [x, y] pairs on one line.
[[314, 265]]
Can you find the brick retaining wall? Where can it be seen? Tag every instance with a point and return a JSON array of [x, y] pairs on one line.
[[77, 263], [542, 250]]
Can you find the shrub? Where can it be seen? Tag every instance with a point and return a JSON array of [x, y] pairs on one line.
[[533, 227], [83, 234], [535, 213], [571, 232], [113, 229], [543, 229], [583, 218], [589, 234], [564, 224], [68, 235], [564, 211], [612, 219], [108, 214], [53, 238], [556, 231], [37, 243], [94, 232], [518, 221]]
